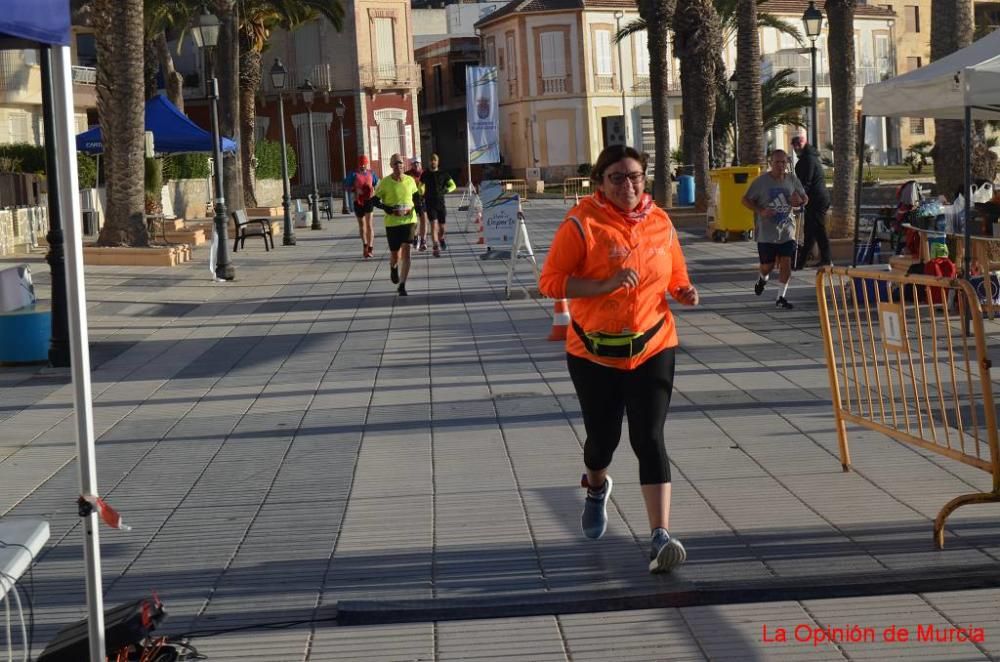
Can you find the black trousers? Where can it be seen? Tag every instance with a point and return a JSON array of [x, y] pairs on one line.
[[814, 233], [608, 394]]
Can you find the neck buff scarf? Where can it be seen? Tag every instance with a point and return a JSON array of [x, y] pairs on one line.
[[640, 212]]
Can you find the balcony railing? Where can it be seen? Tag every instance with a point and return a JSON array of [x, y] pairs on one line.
[[553, 85], [641, 85], [866, 73], [16, 68], [604, 83], [85, 75], [387, 76]]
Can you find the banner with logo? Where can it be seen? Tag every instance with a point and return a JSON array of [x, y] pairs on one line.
[[483, 114], [500, 222]]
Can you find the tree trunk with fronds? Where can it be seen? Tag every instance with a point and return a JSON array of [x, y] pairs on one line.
[[120, 107], [173, 80], [952, 29], [658, 14], [227, 65], [840, 53], [749, 105], [697, 41], [250, 76]]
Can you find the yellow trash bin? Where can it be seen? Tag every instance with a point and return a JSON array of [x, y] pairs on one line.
[[727, 213]]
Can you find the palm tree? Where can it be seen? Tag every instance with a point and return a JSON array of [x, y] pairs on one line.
[[782, 101], [257, 19], [658, 14], [840, 50], [748, 92], [161, 17], [697, 43], [951, 30], [227, 57], [120, 102], [727, 13]]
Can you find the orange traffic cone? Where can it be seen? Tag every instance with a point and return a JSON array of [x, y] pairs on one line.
[[560, 320]]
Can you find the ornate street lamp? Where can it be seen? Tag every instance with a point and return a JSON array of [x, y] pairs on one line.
[[206, 36], [279, 78], [619, 15], [733, 88], [341, 111], [308, 96], [812, 20]]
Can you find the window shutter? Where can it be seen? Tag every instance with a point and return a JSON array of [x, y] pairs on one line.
[[385, 47], [558, 55], [603, 49], [641, 53]]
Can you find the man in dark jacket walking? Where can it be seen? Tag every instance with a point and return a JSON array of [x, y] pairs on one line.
[[809, 170]]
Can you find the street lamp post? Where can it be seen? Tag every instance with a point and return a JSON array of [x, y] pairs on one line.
[[279, 77], [341, 111], [206, 36], [812, 19], [308, 95], [733, 88], [621, 77]]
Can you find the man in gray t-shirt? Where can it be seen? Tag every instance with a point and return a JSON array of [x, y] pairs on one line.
[[771, 197]]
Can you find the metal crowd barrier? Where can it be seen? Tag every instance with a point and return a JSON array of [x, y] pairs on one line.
[[574, 187], [906, 356], [518, 186]]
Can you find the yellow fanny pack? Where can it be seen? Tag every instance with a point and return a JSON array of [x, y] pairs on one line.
[[616, 345]]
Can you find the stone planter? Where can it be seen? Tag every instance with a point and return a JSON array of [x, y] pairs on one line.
[[154, 256]]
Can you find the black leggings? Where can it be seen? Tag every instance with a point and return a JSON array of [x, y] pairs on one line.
[[607, 394]]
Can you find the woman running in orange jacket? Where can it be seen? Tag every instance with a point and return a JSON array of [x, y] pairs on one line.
[[617, 258]]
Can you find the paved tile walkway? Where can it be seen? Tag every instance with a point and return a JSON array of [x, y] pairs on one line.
[[302, 438]]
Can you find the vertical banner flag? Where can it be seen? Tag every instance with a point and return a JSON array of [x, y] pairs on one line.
[[483, 114]]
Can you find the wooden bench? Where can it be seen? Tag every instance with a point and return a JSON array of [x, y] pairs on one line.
[[251, 227]]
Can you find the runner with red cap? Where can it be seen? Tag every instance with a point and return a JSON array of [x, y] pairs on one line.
[[361, 183]]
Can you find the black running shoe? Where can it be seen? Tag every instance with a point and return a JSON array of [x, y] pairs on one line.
[[394, 273], [782, 302], [402, 290], [444, 246], [758, 287]]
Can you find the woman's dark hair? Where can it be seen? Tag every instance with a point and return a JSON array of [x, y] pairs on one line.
[[613, 154]]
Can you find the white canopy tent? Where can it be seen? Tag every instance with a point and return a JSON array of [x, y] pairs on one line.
[[45, 24], [962, 86]]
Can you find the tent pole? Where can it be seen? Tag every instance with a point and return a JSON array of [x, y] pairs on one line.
[[56, 257], [857, 198], [69, 204], [968, 192]]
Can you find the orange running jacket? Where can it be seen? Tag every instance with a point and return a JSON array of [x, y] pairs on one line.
[[594, 242]]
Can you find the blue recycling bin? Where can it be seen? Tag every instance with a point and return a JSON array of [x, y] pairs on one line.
[[685, 190]]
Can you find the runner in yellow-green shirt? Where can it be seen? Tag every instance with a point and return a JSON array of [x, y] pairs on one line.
[[399, 196]]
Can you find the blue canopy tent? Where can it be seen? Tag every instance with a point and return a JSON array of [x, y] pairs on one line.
[[45, 25], [173, 132]]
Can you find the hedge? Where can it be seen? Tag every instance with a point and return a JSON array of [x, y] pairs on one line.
[[268, 155]]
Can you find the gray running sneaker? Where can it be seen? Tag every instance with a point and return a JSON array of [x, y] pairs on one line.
[[665, 553], [595, 509]]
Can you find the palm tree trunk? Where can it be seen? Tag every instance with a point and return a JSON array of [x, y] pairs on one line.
[[174, 81], [658, 14], [697, 41], [250, 75], [227, 70], [951, 29], [120, 104], [749, 106], [840, 52]]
